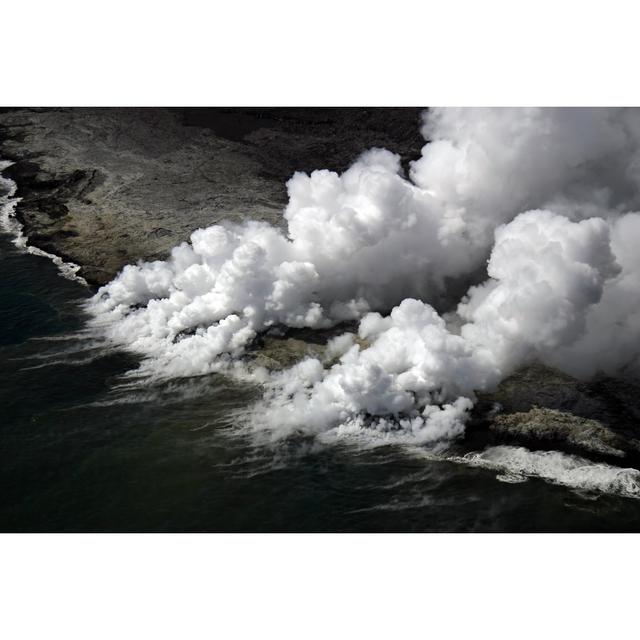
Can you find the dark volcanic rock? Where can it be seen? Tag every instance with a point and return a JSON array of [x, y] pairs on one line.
[[538, 386], [555, 428], [611, 401], [544, 408], [107, 187]]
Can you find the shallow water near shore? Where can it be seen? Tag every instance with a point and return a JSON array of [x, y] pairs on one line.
[[84, 449]]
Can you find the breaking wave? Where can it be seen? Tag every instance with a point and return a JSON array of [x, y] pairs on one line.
[[10, 225], [517, 463]]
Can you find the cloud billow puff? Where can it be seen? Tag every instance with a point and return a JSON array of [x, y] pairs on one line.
[[370, 240]]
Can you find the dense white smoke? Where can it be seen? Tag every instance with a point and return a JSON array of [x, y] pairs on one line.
[[561, 280]]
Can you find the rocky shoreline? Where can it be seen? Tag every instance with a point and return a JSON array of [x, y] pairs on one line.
[[107, 187], [542, 408]]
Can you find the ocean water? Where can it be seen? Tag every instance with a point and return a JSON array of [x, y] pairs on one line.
[[83, 448]]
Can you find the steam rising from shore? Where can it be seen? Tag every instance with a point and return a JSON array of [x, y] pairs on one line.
[[543, 199]]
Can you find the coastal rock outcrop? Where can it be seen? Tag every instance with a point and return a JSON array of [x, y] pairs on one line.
[[543, 408]]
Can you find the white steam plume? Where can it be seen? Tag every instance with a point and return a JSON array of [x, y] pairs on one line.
[[369, 240], [419, 377]]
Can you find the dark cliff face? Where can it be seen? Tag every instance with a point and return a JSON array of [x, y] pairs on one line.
[[108, 187]]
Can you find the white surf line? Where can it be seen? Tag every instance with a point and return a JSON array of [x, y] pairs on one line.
[[10, 224], [512, 464], [517, 464]]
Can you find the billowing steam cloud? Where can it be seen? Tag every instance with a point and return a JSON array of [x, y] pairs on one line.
[[545, 272], [545, 195]]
